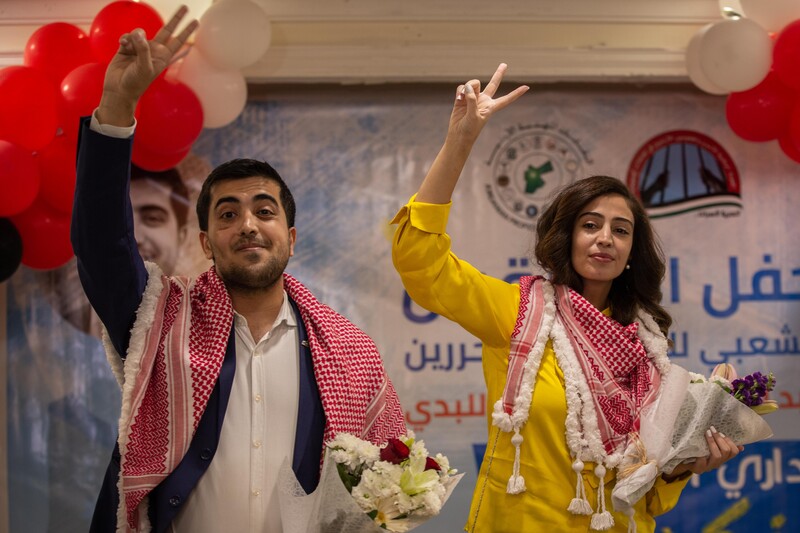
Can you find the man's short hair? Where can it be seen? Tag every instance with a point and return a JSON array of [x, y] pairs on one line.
[[241, 169], [171, 179]]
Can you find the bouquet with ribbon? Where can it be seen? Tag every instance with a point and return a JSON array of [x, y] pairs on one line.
[[367, 488], [672, 429]]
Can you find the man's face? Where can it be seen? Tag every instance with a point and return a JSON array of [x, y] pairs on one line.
[[248, 237], [158, 235]]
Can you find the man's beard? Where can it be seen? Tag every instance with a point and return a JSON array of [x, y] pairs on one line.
[[256, 278]]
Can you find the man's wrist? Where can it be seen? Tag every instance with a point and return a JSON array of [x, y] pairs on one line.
[[116, 111], [120, 132]]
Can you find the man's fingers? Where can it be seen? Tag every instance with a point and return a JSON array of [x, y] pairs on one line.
[[183, 52], [126, 44], [169, 28], [175, 44], [138, 40], [494, 83]]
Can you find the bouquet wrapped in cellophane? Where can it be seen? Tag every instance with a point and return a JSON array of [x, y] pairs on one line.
[[672, 430], [365, 488]]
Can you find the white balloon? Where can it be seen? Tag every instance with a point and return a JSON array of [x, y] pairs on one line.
[[233, 34], [694, 68], [222, 92], [772, 15], [735, 54]]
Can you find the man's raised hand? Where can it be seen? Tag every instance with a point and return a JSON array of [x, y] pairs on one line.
[[136, 64]]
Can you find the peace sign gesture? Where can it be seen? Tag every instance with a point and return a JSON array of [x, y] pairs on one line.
[[473, 107], [136, 64], [471, 112]]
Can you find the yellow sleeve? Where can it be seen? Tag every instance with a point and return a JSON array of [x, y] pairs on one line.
[[441, 283], [664, 496]]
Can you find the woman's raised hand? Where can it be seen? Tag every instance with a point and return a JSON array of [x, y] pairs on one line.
[[473, 107]]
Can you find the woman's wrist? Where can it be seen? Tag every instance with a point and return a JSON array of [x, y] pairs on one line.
[[670, 478]]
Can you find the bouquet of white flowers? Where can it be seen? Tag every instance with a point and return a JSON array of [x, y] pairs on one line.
[[672, 429], [369, 489]]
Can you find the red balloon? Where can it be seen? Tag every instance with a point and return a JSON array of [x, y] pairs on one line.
[[786, 55], [789, 148], [116, 19], [57, 171], [29, 112], [761, 113], [169, 117], [792, 137], [154, 161], [19, 179], [45, 237], [81, 90], [56, 49]]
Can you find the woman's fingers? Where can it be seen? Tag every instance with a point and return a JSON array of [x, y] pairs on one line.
[[494, 83], [503, 101], [720, 450]]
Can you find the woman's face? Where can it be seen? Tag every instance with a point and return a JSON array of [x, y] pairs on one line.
[[601, 241]]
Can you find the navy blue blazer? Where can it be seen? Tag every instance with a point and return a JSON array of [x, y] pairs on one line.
[[113, 276]]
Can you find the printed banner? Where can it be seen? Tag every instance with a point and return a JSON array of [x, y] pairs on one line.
[[723, 209]]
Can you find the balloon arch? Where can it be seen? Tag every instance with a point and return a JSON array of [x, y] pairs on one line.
[[753, 57], [61, 80]]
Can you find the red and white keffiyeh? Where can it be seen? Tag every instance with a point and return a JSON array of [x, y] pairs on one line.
[[174, 358], [611, 372]]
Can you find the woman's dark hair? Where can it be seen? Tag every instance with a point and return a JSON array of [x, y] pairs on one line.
[[241, 169], [636, 288]]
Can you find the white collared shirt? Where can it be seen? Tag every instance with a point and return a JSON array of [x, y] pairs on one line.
[[238, 491]]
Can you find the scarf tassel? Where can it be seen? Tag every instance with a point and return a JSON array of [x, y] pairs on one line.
[[631, 522], [601, 520], [579, 504], [516, 483]]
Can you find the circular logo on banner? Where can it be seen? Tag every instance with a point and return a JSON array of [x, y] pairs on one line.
[[680, 171], [527, 166]]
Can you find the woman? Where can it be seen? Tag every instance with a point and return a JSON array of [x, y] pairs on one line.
[[569, 360]]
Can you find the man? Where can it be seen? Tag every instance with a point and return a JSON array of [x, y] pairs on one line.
[[244, 343], [160, 204]]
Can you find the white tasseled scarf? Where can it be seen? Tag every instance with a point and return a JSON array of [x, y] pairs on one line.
[[611, 372], [174, 358]]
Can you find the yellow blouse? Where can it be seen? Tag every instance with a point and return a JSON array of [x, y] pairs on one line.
[[487, 307]]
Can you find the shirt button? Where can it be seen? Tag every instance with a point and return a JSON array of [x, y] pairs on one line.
[[205, 455], [175, 501], [258, 398], [256, 492], [257, 443]]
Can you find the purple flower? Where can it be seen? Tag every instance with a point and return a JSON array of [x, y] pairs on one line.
[[751, 390]]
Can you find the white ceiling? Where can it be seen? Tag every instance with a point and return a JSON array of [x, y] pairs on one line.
[[369, 41]]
